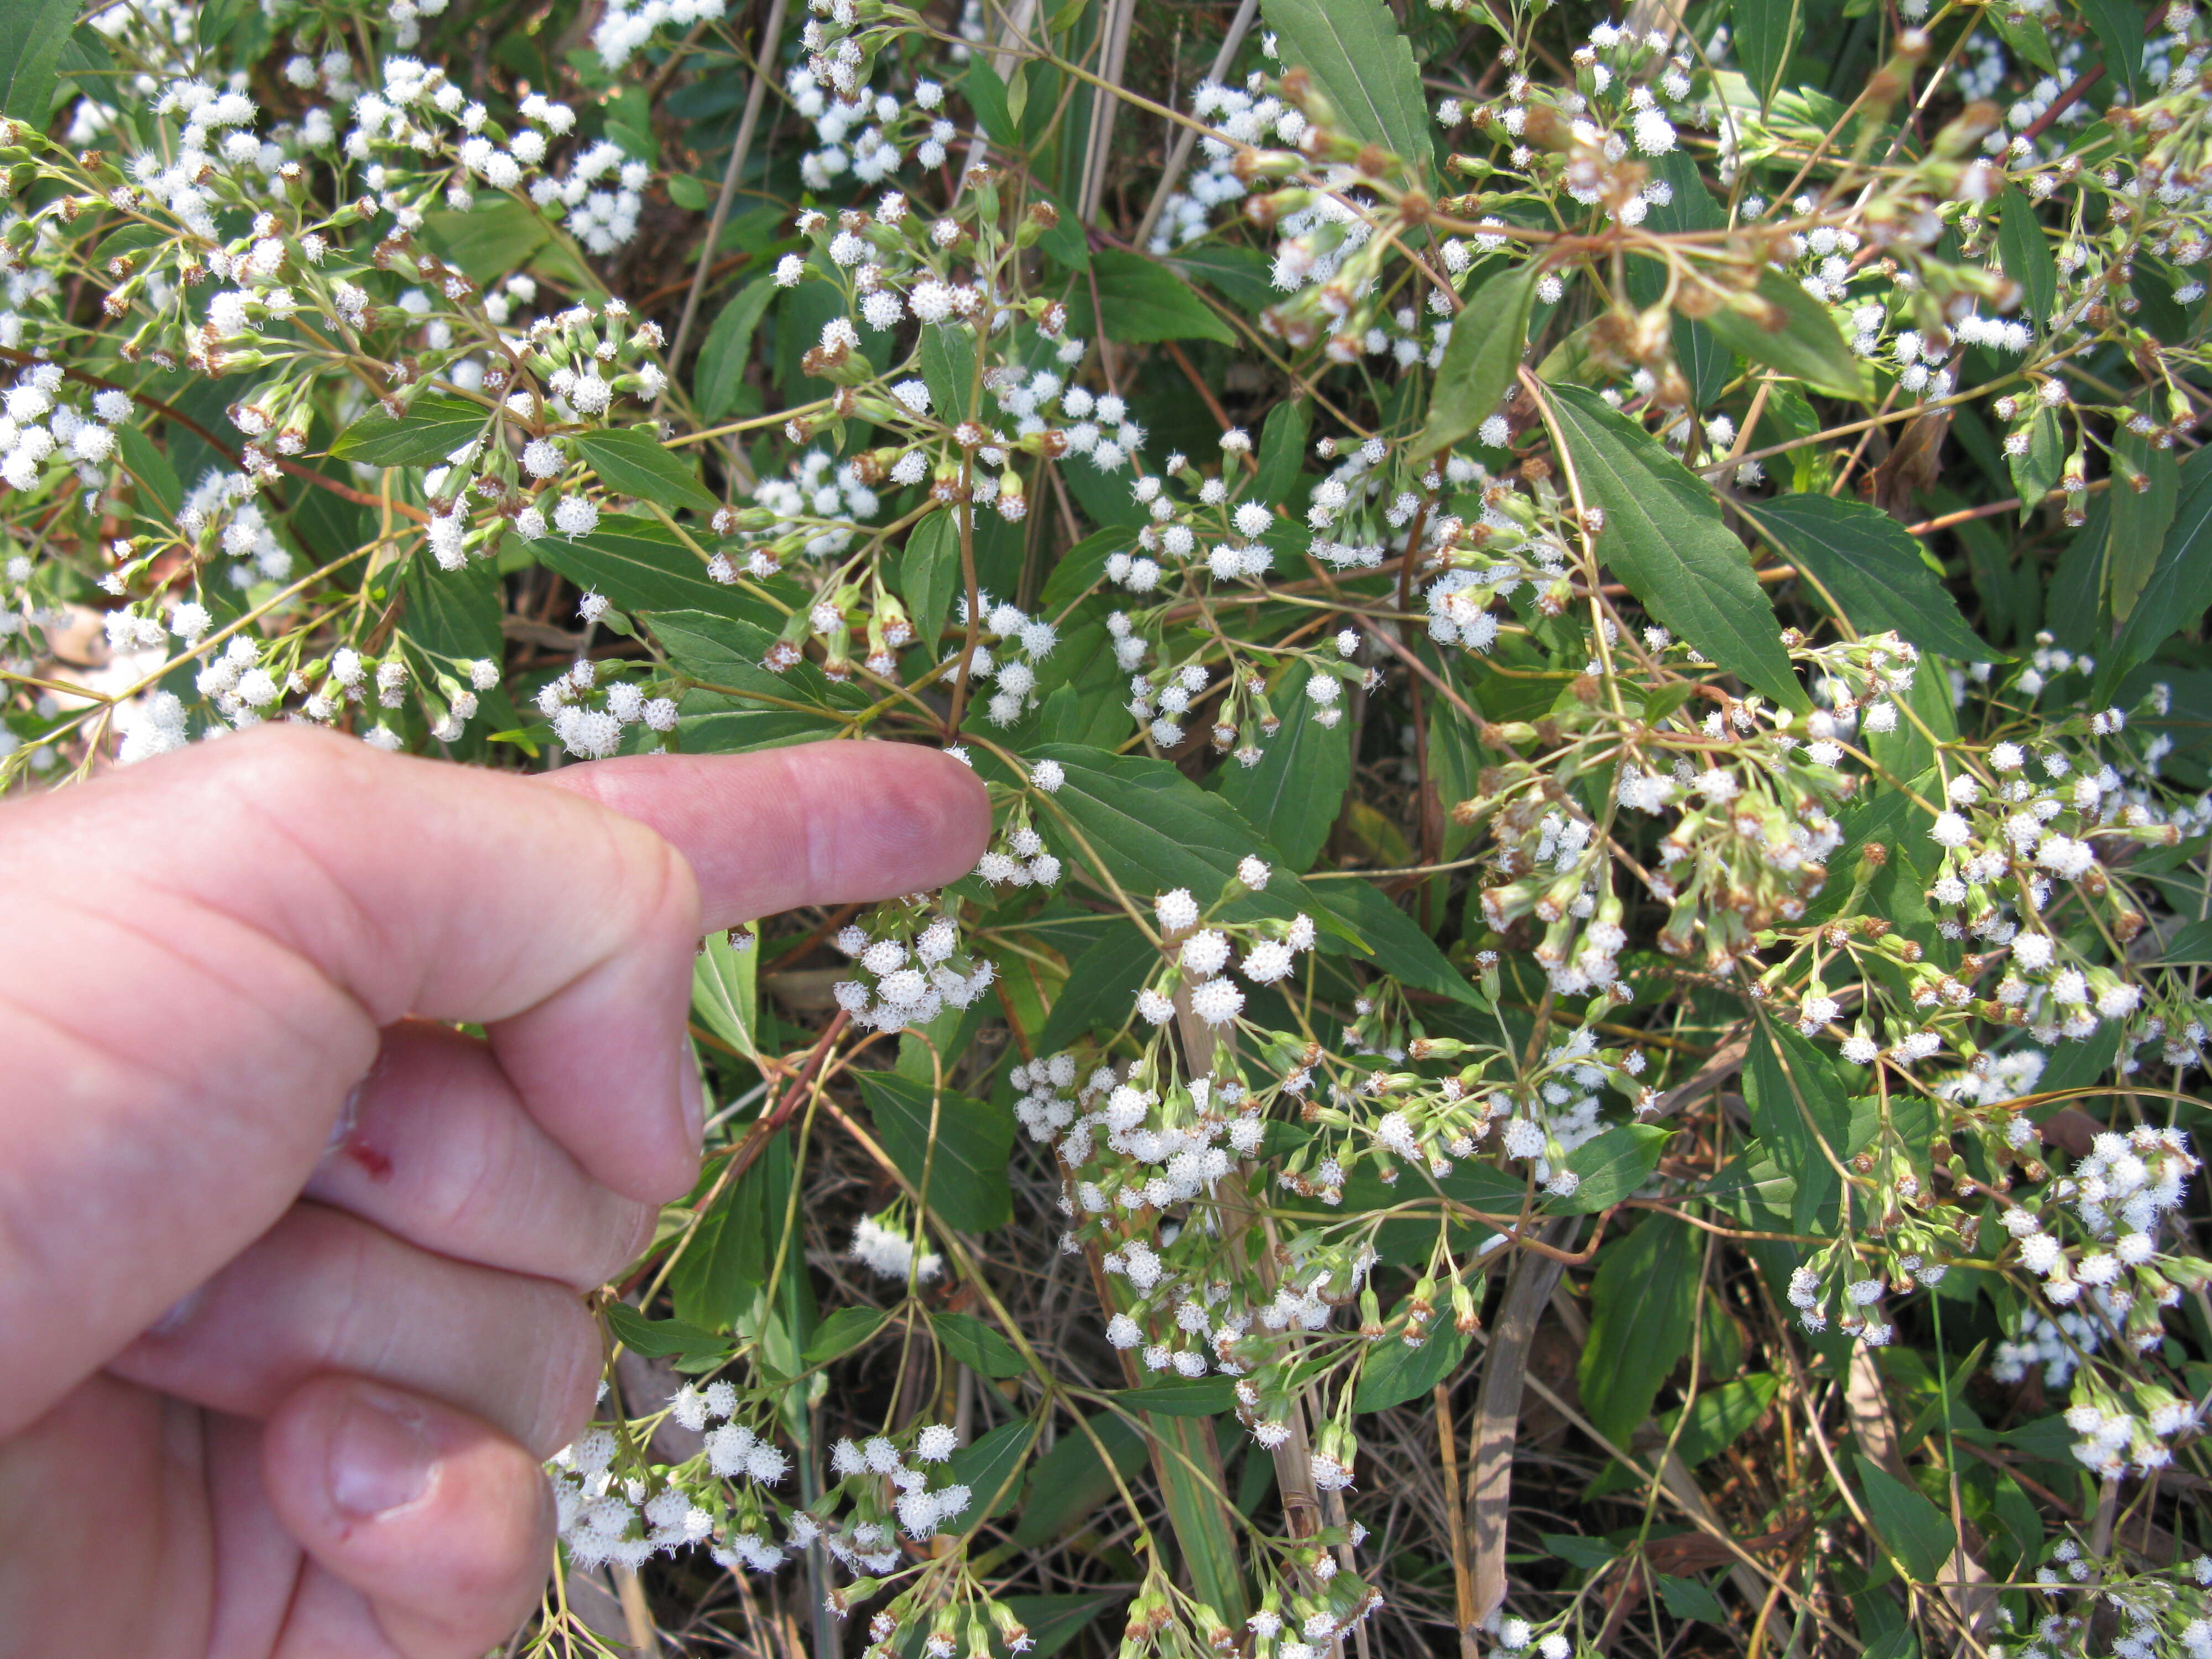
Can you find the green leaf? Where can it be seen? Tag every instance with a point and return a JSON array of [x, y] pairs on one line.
[[930, 573], [842, 1332], [1613, 1164], [151, 468], [1143, 300], [1243, 275], [494, 239], [2179, 586], [1803, 345], [1069, 1482], [2035, 473], [1912, 1529], [1101, 985], [2026, 36], [2140, 519], [1053, 1621], [1154, 830], [660, 1339], [1282, 451], [432, 428], [1797, 1106], [1642, 1303], [2025, 253], [1721, 1416], [1487, 339], [2119, 29], [2189, 945], [726, 992], [1181, 1396], [638, 564], [968, 1186], [1665, 538], [747, 708], [631, 461], [721, 1277], [986, 96], [1765, 30], [1870, 571], [990, 1468], [974, 1344], [1355, 54], [1393, 940], [454, 613], [721, 366], [948, 369], [1293, 794], [31, 40], [1688, 1598], [1393, 1373]]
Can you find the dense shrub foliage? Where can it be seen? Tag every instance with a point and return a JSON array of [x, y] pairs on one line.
[[1586, 635]]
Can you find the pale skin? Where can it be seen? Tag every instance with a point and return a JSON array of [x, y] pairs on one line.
[[290, 1269]]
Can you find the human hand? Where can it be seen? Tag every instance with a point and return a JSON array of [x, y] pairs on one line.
[[265, 1390]]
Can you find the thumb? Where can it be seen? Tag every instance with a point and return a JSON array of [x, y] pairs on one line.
[[440, 1523]]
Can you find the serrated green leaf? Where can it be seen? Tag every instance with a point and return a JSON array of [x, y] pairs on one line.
[[1765, 31], [639, 564], [721, 366], [1643, 1301], [494, 239], [1665, 538], [150, 467], [1069, 1483], [967, 1184], [660, 1339], [1612, 1165], [1355, 54], [991, 1469], [2036, 470], [1293, 794], [1393, 1373], [1101, 985], [975, 1344], [2025, 252], [1202, 1396], [1805, 346], [432, 428], [948, 369], [31, 36], [1153, 829], [986, 96], [1282, 451], [1796, 1107], [1487, 339], [1393, 942], [1912, 1529], [1242, 274], [842, 1332], [930, 574], [2140, 519], [743, 706], [2118, 27], [2026, 35], [1142, 300], [1687, 1598], [726, 992], [633, 462], [2189, 945], [1868, 568]]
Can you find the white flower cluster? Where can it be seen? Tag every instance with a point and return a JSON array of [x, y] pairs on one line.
[[924, 1498], [885, 1245], [1023, 642], [904, 982], [2121, 1193], [590, 718], [603, 1518], [1202, 956], [622, 30], [37, 427]]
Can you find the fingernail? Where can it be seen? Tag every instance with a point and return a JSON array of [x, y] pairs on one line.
[[180, 1314], [380, 1459], [694, 1098]]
